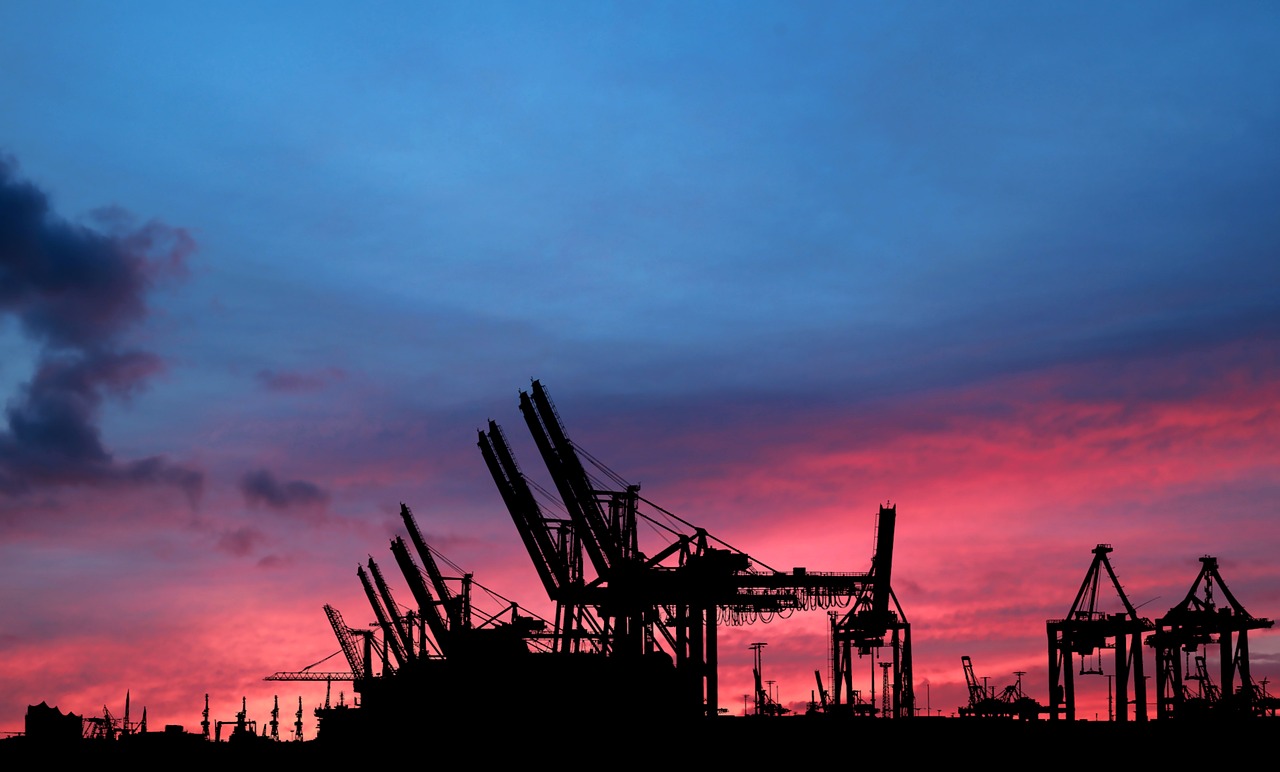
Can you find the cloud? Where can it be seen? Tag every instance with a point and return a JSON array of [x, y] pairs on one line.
[[293, 382], [76, 291], [274, 561], [261, 488], [241, 541]]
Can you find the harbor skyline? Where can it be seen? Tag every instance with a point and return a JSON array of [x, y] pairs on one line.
[[1009, 268]]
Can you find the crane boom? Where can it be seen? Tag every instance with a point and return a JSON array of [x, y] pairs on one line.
[[347, 643], [570, 478], [309, 675], [380, 614], [398, 623], [428, 608], [882, 561], [452, 609], [525, 512]]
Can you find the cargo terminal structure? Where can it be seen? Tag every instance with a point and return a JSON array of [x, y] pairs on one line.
[[635, 628], [634, 633], [640, 597]]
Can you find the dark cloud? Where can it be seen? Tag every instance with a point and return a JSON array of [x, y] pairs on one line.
[[293, 382], [274, 561], [261, 488], [241, 541], [76, 290], [70, 285]]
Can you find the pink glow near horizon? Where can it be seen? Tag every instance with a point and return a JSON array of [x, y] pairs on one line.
[[998, 512], [1002, 490]]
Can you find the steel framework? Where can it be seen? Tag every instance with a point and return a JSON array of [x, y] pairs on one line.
[[1086, 630], [1197, 623]]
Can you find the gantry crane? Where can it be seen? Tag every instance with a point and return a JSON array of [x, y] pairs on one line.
[[1088, 629], [615, 600], [875, 614], [635, 629], [1199, 621]]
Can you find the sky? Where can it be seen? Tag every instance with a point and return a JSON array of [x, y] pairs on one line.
[[265, 269]]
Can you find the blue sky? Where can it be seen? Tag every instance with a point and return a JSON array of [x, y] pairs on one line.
[[693, 186]]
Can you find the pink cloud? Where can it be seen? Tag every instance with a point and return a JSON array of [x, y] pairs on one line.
[[1002, 489]]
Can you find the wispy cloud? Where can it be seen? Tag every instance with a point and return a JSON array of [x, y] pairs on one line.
[[294, 381], [261, 489], [240, 541]]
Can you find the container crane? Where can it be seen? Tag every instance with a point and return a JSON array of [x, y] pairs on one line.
[[1201, 620], [1088, 629], [637, 604]]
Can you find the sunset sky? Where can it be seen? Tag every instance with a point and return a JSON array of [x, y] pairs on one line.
[[265, 268]]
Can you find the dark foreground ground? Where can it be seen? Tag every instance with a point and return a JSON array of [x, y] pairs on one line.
[[786, 742]]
